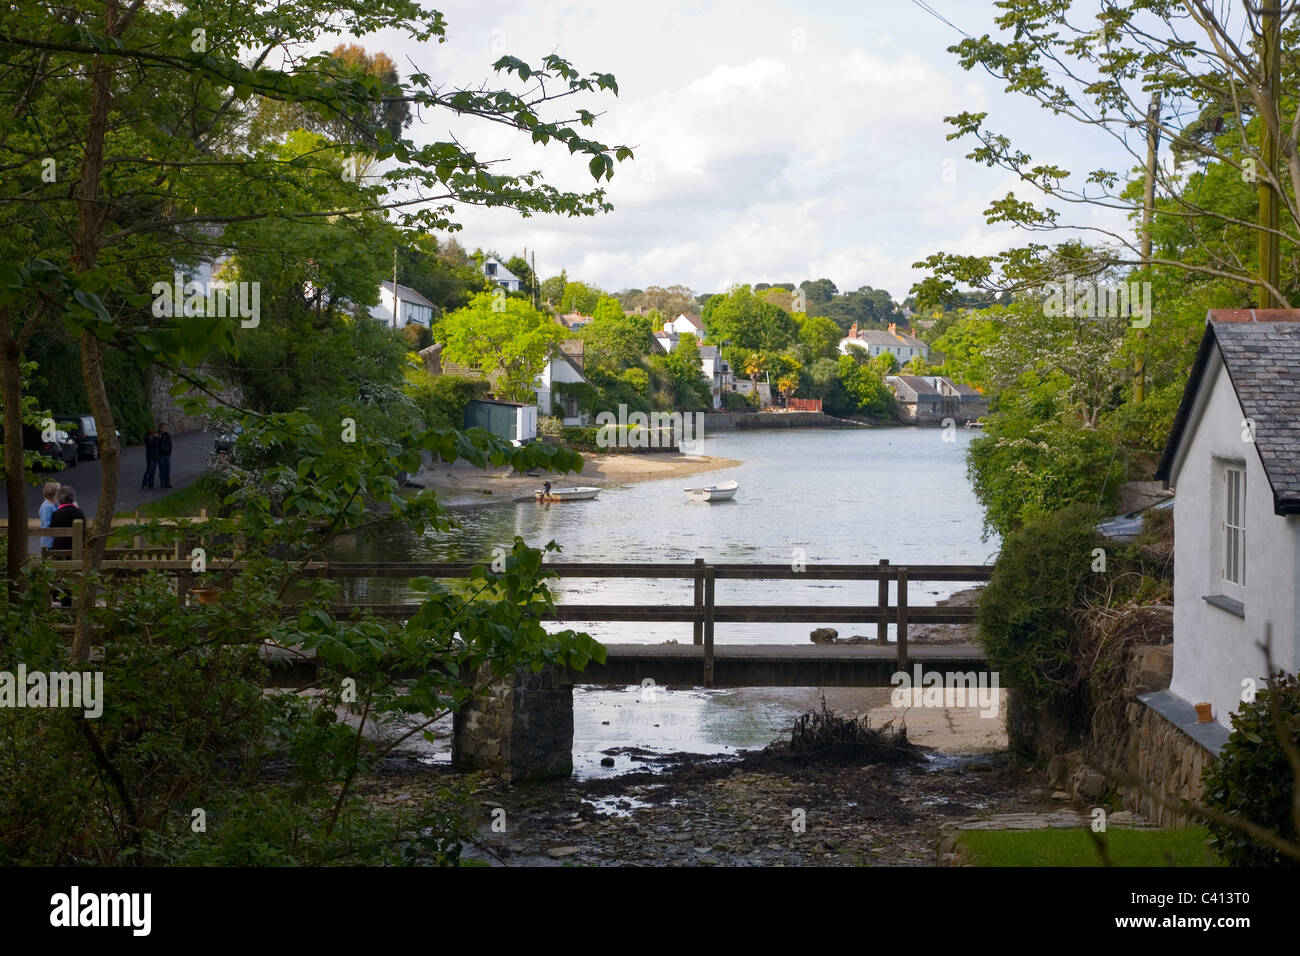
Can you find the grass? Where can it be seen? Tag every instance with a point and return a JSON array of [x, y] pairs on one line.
[[184, 502], [1076, 847]]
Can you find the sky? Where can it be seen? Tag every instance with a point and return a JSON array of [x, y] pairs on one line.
[[774, 141]]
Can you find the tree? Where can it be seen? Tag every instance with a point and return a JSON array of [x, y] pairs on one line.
[[614, 343], [818, 291], [821, 336], [143, 111], [1201, 60], [504, 336], [552, 289], [747, 322], [580, 298]]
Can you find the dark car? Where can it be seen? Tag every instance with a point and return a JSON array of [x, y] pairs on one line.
[[224, 440], [1128, 526], [62, 449], [82, 430]]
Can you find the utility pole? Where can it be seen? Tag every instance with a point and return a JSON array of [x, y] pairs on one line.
[[535, 284], [1269, 251], [1148, 212], [396, 319]]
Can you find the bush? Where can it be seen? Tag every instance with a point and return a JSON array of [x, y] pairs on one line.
[[1252, 779], [1026, 612], [736, 402], [442, 399]]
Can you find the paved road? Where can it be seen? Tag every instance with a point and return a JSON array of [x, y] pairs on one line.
[[190, 453]]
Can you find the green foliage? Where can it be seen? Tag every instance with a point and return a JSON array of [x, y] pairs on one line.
[[865, 386], [442, 399], [501, 335], [1032, 461], [680, 378], [1254, 780], [1026, 612], [580, 297], [747, 321], [186, 722]]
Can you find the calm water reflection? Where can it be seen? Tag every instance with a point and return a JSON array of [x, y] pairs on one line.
[[838, 495]]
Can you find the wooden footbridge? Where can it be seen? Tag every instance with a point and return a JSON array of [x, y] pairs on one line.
[[703, 662]]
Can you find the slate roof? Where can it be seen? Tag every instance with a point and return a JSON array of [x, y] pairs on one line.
[[575, 351], [1260, 349], [923, 390], [884, 338], [406, 294]]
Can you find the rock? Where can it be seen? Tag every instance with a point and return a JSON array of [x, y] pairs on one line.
[[607, 761], [604, 723], [1060, 795], [824, 635], [556, 852], [1087, 784], [1058, 770]]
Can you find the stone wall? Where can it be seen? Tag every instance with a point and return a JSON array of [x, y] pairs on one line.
[[164, 407], [1168, 761], [521, 728]]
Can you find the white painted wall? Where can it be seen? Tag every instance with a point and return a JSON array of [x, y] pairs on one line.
[[558, 369], [1214, 650]]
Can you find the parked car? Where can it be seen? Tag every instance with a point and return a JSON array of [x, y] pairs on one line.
[[62, 449], [1129, 526], [224, 440], [83, 431]]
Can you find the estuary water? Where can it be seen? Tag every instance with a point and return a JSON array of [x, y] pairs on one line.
[[811, 495], [839, 495]]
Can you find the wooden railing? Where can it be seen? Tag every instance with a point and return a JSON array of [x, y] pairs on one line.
[[704, 613]]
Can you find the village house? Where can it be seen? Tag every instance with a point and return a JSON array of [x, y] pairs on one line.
[[405, 308], [718, 371], [563, 367], [685, 324], [500, 275], [876, 342], [1233, 458], [930, 399]]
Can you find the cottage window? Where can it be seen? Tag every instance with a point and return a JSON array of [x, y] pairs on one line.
[[491, 268], [1234, 526]]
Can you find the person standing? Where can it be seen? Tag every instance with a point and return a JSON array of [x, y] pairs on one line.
[[64, 515], [164, 456], [150, 458], [48, 492]]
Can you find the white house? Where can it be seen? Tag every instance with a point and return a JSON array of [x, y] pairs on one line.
[[717, 371], [500, 275], [876, 342], [564, 366], [1233, 458], [685, 324], [410, 307]]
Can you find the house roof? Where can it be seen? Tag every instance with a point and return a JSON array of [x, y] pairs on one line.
[[694, 318], [575, 351], [1260, 350], [869, 337], [406, 294], [922, 389], [708, 351]]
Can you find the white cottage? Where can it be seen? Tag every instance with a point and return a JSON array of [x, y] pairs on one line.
[[1233, 458], [500, 275], [404, 308], [563, 367]]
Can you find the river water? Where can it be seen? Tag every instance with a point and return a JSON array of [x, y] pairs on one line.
[[820, 495]]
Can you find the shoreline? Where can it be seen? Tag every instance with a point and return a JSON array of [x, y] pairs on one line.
[[460, 484]]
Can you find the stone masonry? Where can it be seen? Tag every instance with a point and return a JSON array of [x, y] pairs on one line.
[[521, 728]]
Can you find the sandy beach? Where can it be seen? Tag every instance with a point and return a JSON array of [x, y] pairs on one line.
[[461, 483]]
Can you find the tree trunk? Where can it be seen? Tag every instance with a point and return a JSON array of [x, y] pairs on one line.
[[11, 400], [90, 220]]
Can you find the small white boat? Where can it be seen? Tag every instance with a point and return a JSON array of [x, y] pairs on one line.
[[720, 492], [565, 494]]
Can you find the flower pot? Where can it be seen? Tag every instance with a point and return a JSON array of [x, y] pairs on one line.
[[206, 595], [1204, 713]]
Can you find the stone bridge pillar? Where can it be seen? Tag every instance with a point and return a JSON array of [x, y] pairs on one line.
[[520, 728]]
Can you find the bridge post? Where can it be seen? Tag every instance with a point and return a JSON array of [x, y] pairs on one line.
[[520, 727], [698, 624], [708, 627], [902, 619], [882, 598]]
